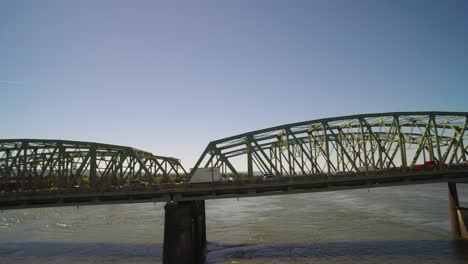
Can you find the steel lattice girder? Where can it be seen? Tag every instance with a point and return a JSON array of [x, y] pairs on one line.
[[48, 164], [378, 141]]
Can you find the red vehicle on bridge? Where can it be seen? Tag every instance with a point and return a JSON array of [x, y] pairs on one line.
[[432, 164]]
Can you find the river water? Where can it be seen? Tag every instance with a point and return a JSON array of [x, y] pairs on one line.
[[407, 224]]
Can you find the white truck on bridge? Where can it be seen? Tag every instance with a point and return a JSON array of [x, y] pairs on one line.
[[211, 174]]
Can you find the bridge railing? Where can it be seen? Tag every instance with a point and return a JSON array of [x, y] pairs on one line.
[[318, 180]]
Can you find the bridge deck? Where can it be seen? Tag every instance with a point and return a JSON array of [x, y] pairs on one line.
[[183, 192]]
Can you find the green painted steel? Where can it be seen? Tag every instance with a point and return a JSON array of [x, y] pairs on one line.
[[403, 141], [36, 164], [371, 144]]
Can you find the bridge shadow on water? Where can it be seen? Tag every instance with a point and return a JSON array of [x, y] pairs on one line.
[[427, 249], [219, 252]]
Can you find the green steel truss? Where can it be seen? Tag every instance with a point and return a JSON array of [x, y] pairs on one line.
[[357, 143], [36, 164]]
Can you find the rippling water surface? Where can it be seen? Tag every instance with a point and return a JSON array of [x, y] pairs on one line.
[[385, 225]]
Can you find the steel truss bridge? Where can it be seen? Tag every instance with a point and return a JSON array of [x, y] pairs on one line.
[[351, 152], [357, 143], [359, 151], [36, 164]]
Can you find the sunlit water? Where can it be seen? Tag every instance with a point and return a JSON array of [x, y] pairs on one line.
[[385, 225]]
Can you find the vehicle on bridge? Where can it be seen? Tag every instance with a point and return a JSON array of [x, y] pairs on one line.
[[205, 175], [268, 177], [137, 183], [431, 164], [368, 169], [10, 185], [227, 178]]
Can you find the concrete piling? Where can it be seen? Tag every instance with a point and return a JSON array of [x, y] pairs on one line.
[[184, 233], [457, 214]]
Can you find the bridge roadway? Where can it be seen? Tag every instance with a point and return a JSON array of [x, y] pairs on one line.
[[171, 193]]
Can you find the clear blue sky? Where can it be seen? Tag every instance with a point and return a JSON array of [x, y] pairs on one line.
[[170, 77]]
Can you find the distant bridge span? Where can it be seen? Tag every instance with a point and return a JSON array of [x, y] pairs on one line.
[[29, 165]]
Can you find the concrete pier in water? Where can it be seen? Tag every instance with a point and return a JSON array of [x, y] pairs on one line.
[[184, 233], [458, 215]]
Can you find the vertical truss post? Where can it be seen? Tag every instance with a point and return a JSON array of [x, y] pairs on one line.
[[24, 163], [59, 173], [273, 160], [6, 176], [364, 148], [280, 150], [430, 145], [303, 163], [401, 142], [249, 157], [292, 170], [372, 150], [327, 149], [66, 160], [313, 159], [338, 152], [92, 168], [437, 139], [34, 165]]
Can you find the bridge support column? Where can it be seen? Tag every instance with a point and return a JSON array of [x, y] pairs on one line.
[[458, 215], [184, 233]]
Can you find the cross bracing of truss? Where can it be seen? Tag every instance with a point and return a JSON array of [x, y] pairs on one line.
[[358, 143], [35, 164]]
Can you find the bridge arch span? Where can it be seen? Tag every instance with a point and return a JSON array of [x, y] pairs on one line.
[[356, 143], [45, 164]]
